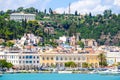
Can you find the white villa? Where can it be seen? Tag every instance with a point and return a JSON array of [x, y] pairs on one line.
[[22, 16]]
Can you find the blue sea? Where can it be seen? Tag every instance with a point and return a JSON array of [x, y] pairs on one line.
[[55, 76]]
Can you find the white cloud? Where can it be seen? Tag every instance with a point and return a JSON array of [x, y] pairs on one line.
[[87, 6], [117, 2], [14, 4]]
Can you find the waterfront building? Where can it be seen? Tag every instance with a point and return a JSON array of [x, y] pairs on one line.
[[2, 55], [113, 57], [59, 58], [22, 16], [93, 60], [23, 59]]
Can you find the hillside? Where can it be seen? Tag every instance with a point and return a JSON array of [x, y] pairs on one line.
[[104, 28]]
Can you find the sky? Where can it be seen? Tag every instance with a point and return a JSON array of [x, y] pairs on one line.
[[61, 6]]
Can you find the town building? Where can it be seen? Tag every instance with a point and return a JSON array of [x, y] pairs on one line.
[[49, 30], [89, 42], [59, 58], [113, 57], [24, 59], [22, 16], [28, 39]]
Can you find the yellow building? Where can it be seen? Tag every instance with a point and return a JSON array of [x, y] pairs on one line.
[[47, 59], [92, 60], [59, 59]]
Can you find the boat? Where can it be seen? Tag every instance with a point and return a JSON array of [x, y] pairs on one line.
[[109, 71], [0, 73], [65, 72], [93, 72]]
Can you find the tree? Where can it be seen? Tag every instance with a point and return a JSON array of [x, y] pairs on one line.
[[4, 64], [76, 13], [70, 64], [107, 13], [9, 65], [20, 9], [81, 44], [4, 44], [102, 60], [50, 11], [10, 44], [85, 65], [72, 29]]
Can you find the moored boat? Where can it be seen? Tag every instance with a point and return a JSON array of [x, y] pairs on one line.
[[64, 72], [110, 71]]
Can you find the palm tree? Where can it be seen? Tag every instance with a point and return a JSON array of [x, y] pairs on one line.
[[102, 60]]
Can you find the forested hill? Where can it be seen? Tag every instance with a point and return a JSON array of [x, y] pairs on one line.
[[104, 28]]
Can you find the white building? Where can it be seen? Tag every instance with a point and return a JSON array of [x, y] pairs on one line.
[[2, 55], [22, 16], [29, 39], [63, 39], [113, 57], [23, 59]]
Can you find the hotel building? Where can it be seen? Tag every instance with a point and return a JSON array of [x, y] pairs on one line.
[[23, 59]]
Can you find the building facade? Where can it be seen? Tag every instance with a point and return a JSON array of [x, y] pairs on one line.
[[59, 59], [23, 59], [113, 57], [22, 16]]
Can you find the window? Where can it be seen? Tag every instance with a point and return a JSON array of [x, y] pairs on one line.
[[20, 57], [74, 58], [61, 58], [65, 58], [26, 57], [34, 57], [37, 61], [34, 61], [51, 58], [47, 58], [30, 57], [30, 61], [12, 57], [26, 61], [83, 58], [57, 58], [37, 57], [43, 58]]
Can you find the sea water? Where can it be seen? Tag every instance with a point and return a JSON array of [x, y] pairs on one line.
[[55, 76]]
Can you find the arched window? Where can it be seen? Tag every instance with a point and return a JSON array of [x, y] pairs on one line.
[[61, 58], [43, 58], [57, 58]]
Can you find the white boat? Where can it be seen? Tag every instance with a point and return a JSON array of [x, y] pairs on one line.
[[110, 71], [0, 73], [65, 72], [94, 72]]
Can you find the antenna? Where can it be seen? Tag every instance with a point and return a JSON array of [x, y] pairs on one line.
[[69, 8]]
